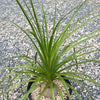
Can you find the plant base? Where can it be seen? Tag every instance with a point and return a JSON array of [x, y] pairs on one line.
[[47, 93]]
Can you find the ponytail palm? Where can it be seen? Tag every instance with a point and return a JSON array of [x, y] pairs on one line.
[[51, 64]]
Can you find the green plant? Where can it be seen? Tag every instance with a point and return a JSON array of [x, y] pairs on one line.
[[49, 67]]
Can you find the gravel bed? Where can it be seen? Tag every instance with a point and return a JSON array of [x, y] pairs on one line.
[[14, 42]]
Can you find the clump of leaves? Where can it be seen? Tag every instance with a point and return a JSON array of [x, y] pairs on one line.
[[49, 67]]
